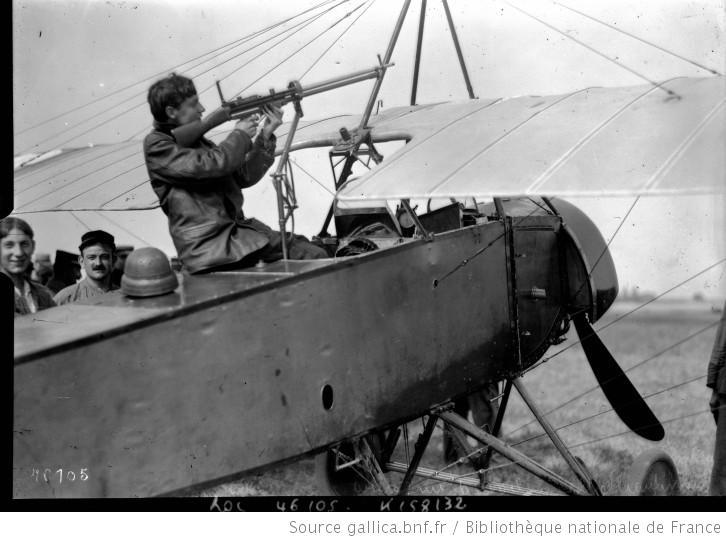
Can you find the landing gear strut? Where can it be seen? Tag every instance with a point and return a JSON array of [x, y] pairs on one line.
[[368, 459]]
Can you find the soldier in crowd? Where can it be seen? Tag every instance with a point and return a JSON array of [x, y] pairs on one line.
[[66, 271], [16, 250], [122, 252], [43, 269], [97, 250]]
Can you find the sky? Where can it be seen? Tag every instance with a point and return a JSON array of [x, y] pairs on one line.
[[69, 53]]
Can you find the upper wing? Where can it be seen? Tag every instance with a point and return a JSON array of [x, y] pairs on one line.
[[594, 142], [602, 141]]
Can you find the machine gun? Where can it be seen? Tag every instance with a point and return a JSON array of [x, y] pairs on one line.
[[187, 134], [242, 107]]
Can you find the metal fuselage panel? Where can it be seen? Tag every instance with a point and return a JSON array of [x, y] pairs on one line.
[[538, 282], [237, 385]]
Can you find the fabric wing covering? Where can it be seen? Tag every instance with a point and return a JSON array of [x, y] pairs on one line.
[[592, 142]]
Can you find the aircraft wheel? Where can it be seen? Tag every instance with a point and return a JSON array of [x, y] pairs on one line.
[[653, 473]]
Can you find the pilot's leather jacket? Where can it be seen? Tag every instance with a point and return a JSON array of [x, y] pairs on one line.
[[199, 189]]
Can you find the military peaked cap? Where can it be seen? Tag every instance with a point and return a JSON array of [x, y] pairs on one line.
[[97, 237]]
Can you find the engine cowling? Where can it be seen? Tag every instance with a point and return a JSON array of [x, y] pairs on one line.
[[592, 279]]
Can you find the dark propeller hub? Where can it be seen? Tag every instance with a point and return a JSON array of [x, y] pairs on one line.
[[593, 281], [592, 286]]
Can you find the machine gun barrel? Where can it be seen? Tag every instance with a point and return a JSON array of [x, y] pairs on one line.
[[241, 107]]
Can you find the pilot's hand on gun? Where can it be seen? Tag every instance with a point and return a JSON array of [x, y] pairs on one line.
[[247, 125], [273, 119]]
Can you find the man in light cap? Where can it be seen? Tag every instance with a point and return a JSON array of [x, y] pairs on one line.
[[97, 250]]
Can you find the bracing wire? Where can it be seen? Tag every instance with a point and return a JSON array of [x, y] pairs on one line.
[[677, 418], [111, 179], [633, 367], [619, 318], [371, 2], [592, 49], [301, 26], [141, 165], [297, 27], [309, 21], [428, 483], [45, 162], [659, 47], [311, 177], [231, 44], [598, 414], [144, 182], [478, 253], [422, 485], [607, 246], [132, 234], [333, 25], [590, 417], [79, 220], [98, 169], [95, 186], [440, 424], [57, 174]]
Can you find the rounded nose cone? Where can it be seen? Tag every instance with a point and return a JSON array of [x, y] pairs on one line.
[[148, 273], [598, 269]]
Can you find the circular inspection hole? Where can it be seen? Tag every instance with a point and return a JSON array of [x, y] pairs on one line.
[[327, 397]]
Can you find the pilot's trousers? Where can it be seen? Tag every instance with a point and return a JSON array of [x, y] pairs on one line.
[[299, 248]]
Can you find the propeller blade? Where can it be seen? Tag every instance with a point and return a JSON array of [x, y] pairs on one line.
[[624, 398]]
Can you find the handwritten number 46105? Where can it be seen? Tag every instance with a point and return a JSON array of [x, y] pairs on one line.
[[49, 475]]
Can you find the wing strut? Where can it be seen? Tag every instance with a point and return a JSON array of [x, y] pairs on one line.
[[454, 36], [363, 135], [417, 60], [457, 46]]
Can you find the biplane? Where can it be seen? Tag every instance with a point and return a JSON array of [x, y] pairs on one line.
[[241, 370]]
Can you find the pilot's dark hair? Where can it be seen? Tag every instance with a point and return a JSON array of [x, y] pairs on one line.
[[10, 223], [171, 90]]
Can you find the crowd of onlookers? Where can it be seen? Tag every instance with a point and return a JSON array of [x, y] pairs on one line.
[[40, 283]]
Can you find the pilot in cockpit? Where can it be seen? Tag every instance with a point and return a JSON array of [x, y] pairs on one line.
[[200, 187]]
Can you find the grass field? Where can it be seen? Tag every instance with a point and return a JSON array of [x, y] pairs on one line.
[[602, 442]]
